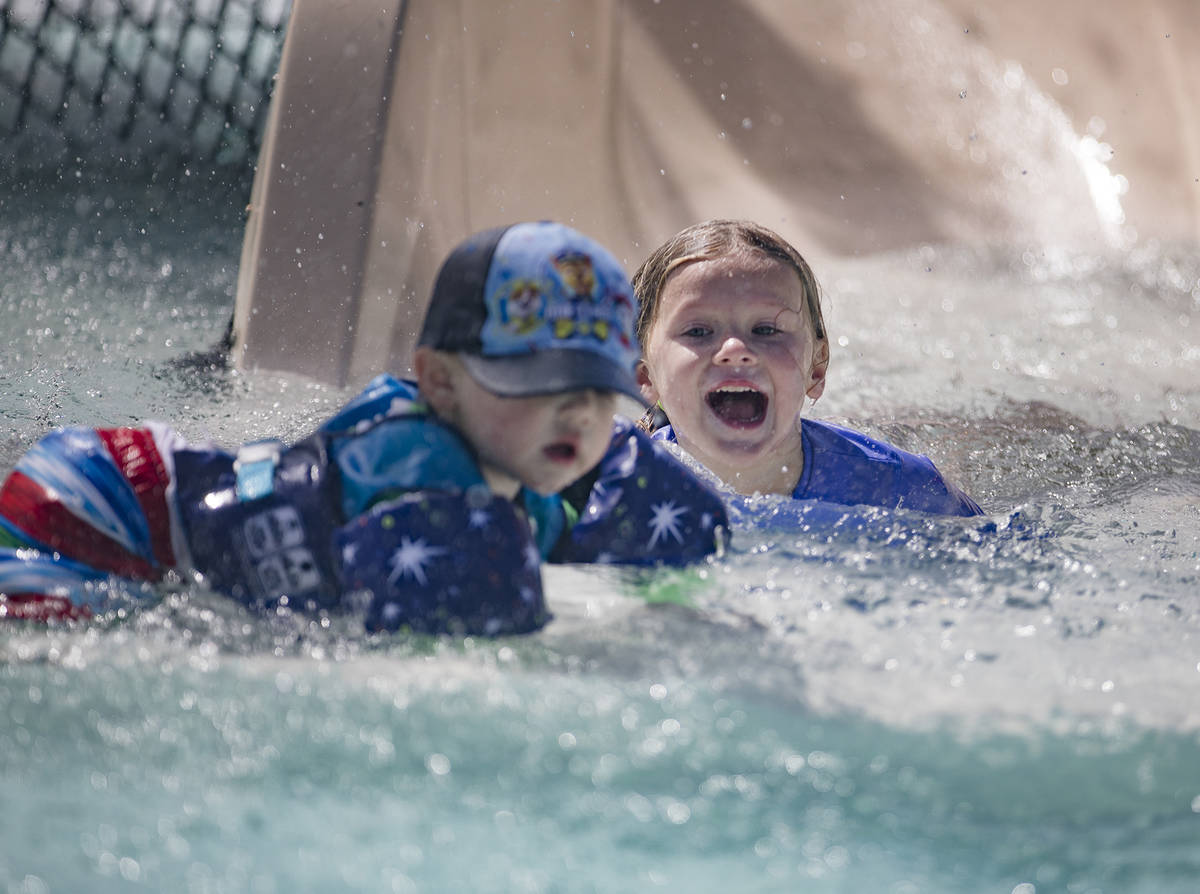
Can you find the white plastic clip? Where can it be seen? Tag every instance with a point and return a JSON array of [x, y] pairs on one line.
[[255, 469]]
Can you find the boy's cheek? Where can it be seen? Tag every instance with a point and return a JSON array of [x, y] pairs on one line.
[[597, 442]]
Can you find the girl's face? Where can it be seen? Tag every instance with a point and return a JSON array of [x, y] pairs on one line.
[[731, 357]]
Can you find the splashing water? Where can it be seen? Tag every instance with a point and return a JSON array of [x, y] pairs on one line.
[[877, 702]]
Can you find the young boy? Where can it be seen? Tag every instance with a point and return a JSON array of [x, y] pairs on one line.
[[733, 343], [424, 505]]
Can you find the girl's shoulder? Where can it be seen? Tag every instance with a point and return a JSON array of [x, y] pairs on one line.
[[845, 466]]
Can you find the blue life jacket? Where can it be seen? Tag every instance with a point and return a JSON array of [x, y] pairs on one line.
[[385, 506], [382, 510], [387, 443]]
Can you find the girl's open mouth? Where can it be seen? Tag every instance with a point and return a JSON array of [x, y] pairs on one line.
[[739, 406], [561, 452]]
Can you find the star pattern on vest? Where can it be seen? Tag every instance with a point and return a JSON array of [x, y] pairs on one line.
[[664, 522], [410, 559]]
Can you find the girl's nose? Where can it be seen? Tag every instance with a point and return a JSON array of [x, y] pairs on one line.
[[734, 352]]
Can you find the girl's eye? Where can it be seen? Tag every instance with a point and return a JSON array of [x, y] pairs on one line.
[[765, 329], [697, 332]]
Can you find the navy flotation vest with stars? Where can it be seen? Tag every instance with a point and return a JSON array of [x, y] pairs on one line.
[[383, 511], [427, 545]]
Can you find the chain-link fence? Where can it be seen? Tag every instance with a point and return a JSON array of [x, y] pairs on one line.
[[164, 81]]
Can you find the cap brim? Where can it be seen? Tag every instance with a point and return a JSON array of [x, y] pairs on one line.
[[550, 372]]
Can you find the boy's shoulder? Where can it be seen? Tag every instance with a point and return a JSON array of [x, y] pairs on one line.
[[383, 396], [846, 466], [385, 442]]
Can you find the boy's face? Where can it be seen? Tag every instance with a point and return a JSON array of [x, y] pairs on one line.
[[731, 357], [543, 443]]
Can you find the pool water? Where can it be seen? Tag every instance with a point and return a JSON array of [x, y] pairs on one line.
[[903, 704]]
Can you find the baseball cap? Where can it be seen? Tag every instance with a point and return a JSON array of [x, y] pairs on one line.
[[536, 308]]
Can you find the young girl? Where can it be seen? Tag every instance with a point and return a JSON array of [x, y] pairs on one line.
[[733, 343]]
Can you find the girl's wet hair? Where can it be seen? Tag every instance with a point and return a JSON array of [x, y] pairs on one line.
[[707, 241]]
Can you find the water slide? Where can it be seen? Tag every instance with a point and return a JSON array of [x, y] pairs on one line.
[[852, 128]]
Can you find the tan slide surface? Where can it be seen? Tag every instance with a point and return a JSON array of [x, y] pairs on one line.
[[851, 127]]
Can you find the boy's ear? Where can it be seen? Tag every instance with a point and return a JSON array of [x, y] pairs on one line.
[[435, 379], [649, 392], [820, 366]]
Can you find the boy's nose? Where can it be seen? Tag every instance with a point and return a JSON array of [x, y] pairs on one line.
[[579, 405], [733, 352]]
